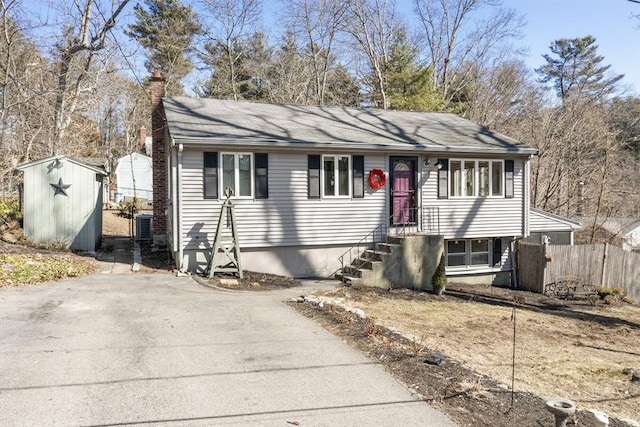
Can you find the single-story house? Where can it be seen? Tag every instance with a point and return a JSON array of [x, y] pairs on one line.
[[558, 229], [62, 202], [134, 177], [313, 182], [626, 229]]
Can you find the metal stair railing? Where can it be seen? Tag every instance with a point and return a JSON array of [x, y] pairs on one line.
[[368, 240], [422, 219]]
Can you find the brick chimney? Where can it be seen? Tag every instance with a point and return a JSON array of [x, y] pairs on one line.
[[159, 159], [143, 138]]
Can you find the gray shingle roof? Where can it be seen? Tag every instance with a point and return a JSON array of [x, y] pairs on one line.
[[214, 121]]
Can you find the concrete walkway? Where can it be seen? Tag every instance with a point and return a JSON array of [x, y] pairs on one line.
[[154, 349]]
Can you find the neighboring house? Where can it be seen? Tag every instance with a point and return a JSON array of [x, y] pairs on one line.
[[558, 229], [134, 177], [626, 229], [62, 202], [302, 175]]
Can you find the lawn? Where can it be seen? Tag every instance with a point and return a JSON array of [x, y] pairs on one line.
[[570, 349]]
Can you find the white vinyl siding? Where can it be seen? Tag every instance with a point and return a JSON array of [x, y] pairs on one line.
[[287, 217], [479, 217], [134, 176]]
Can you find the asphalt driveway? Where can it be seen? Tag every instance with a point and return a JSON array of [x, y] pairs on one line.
[[154, 349]]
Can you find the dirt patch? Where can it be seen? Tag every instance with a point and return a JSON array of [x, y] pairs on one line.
[[251, 281], [113, 224], [568, 348]]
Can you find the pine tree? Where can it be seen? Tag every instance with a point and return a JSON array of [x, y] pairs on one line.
[[166, 28], [575, 68], [439, 279], [410, 85]]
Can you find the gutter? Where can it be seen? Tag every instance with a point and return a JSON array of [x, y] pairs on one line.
[[350, 146]]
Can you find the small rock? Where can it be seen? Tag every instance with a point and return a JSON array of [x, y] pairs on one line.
[[435, 358], [255, 284], [10, 238], [635, 376], [229, 282]]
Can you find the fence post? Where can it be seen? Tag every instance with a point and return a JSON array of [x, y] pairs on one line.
[[604, 265]]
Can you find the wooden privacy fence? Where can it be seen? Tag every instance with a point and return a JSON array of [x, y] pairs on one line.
[[596, 264]]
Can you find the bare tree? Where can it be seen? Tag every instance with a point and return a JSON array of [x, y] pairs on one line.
[[83, 37], [496, 95], [373, 25], [455, 35], [289, 77], [24, 95], [317, 23]]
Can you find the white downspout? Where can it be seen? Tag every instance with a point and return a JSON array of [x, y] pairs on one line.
[[178, 208]]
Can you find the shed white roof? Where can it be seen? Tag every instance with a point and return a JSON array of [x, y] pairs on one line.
[[541, 221], [224, 122], [60, 157]]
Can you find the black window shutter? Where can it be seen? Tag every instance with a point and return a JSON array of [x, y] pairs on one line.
[[261, 175], [508, 179], [443, 174], [497, 251], [313, 183], [358, 177], [210, 174]]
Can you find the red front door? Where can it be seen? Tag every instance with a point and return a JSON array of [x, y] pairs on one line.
[[402, 190]]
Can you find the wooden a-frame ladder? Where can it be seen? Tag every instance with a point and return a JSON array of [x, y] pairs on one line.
[[230, 260]]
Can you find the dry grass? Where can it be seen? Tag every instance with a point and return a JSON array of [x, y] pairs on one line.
[[556, 355]]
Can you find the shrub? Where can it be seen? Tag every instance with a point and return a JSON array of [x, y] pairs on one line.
[[439, 279], [128, 208], [604, 291], [9, 211]]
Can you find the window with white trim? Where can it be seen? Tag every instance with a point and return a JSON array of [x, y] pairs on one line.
[[336, 176], [476, 178], [468, 252], [237, 173]]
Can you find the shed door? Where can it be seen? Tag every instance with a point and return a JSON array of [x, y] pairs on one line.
[[403, 190]]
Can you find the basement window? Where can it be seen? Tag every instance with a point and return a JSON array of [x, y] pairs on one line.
[[468, 252]]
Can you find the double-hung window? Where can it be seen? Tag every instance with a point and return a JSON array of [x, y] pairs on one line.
[[237, 173], [246, 174], [336, 176], [476, 178]]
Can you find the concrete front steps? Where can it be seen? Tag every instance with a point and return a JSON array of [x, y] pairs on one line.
[[407, 261]]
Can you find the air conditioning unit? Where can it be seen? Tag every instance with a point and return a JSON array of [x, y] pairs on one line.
[[144, 227]]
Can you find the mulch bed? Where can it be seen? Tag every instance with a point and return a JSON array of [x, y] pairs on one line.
[[469, 398], [251, 281]]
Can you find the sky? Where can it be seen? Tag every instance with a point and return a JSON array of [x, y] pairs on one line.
[[617, 33]]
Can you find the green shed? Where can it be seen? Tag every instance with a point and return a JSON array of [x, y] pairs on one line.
[[62, 202]]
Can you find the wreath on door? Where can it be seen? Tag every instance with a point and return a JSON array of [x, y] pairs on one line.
[[377, 178]]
